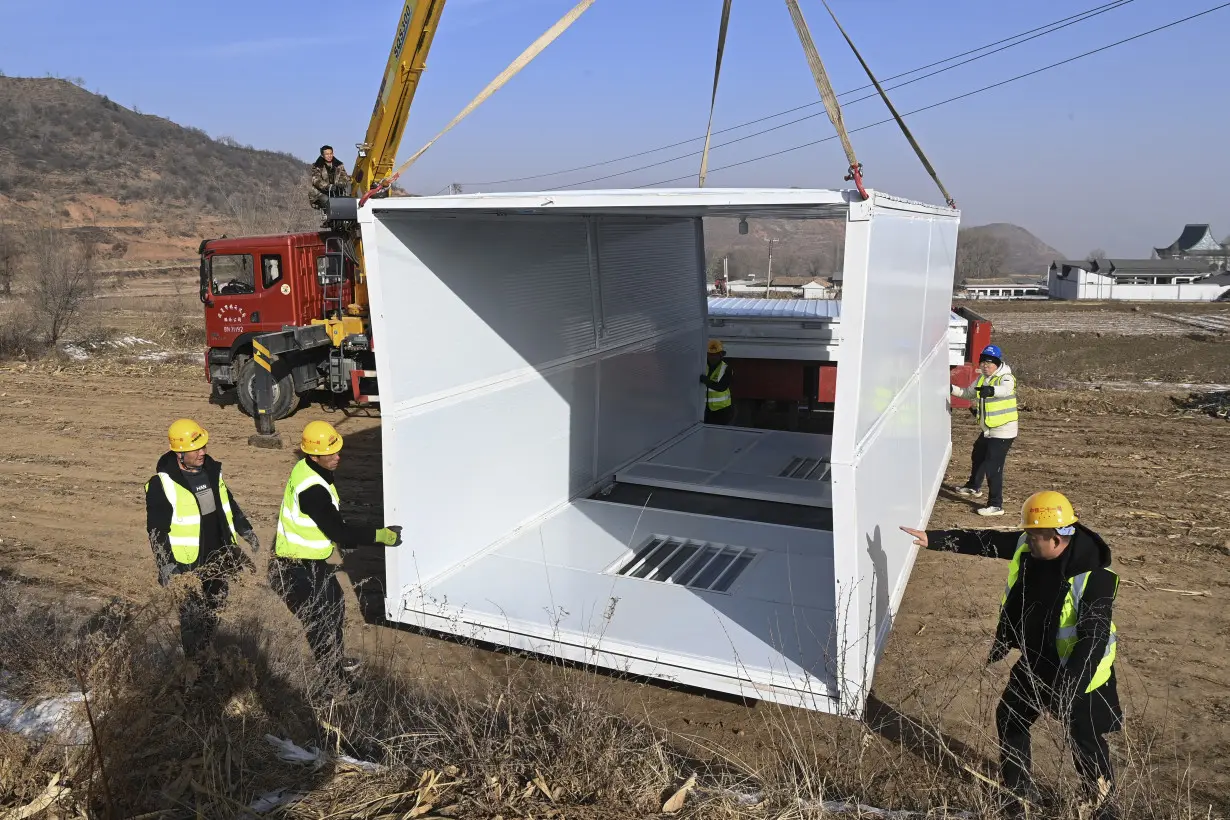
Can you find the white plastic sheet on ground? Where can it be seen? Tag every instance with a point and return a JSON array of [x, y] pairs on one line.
[[293, 753]]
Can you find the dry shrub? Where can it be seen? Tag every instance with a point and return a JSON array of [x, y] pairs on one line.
[[187, 739]]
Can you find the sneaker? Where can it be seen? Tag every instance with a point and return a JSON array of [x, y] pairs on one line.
[[969, 492], [350, 665], [991, 511]]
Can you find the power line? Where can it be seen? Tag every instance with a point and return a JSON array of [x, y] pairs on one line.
[[865, 97], [1169, 25], [1031, 34]]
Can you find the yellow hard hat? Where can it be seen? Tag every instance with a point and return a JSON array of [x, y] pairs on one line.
[[185, 435], [1047, 510], [715, 346], [320, 439]]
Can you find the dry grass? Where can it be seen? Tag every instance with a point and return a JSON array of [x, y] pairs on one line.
[[170, 738]]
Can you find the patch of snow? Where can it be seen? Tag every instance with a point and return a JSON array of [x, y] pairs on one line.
[[272, 800], [44, 718]]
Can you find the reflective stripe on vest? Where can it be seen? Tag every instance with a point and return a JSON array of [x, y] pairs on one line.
[[1065, 635], [185, 533], [996, 411], [298, 536], [717, 399]]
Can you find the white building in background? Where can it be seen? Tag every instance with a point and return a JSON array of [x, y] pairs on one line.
[[1141, 280], [1003, 290]]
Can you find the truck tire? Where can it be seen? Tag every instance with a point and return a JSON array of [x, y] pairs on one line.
[[285, 402]]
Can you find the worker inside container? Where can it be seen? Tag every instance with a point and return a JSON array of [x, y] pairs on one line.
[[329, 178], [719, 409]]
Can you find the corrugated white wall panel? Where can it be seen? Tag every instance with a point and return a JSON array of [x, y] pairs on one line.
[[648, 395], [649, 277]]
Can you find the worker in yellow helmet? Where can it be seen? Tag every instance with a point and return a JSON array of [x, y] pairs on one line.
[[310, 526], [1056, 610], [194, 523], [719, 409]]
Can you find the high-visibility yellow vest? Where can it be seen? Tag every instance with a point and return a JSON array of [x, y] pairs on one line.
[[995, 411], [298, 536], [717, 399], [185, 533], [1065, 636]]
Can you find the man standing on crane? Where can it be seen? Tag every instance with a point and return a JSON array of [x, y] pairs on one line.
[[719, 409], [310, 526], [194, 524], [1056, 609], [994, 397], [329, 178]]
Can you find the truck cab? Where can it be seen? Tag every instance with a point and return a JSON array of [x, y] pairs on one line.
[[258, 285]]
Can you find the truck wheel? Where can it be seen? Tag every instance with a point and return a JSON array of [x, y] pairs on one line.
[[284, 399]]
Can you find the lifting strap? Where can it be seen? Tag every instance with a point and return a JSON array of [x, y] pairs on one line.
[[917, 150], [826, 93], [525, 58], [717, 69]]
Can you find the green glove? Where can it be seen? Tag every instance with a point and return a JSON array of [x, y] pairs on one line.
[[389, 536]]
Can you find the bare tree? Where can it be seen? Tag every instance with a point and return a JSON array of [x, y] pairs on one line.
[[1096, 255], [256, 213], [62, 275], [979, 257], [10, 257]]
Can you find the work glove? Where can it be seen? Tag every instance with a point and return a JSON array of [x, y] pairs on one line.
[[987, 391], [166, 571], [253, 541], [999, 651], [389, 536]]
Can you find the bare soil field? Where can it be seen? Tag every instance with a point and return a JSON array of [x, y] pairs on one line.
[[80, 439]]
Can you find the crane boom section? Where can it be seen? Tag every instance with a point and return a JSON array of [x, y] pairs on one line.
[[407, 59]]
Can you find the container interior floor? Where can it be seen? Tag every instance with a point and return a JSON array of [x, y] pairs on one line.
[[708, 563]]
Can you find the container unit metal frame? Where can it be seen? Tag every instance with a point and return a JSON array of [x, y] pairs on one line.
[[543, 440]]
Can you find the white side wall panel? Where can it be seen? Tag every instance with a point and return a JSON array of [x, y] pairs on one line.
[[482, 298], [891, 432]]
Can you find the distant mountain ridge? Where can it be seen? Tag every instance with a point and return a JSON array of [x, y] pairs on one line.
[[1025, 255]]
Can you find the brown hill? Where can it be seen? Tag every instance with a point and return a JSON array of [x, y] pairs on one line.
[[144, 185], [1024, 255]]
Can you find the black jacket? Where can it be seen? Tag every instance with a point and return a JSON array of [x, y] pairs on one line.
[[215, 535], [316, 503], [1030, 617]]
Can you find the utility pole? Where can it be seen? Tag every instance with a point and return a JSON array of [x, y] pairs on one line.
[[768, 278], [454, 188]]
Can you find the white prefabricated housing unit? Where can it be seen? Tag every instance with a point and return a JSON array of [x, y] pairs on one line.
[[543, 446]]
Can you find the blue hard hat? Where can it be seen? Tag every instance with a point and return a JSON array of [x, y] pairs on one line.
[[992, 351]]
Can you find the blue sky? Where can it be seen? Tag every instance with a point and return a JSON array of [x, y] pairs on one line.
[[1117, 150]]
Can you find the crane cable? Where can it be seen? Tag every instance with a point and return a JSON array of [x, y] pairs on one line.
[[904, 129], [524, 59], [831, 106], [717, 69]]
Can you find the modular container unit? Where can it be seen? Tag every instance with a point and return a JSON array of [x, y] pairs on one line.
[[543, 444]]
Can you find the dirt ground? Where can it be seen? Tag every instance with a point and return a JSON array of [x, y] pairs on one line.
[[80, 439]]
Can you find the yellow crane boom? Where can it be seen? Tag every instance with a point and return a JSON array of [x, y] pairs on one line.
[[407, 59]]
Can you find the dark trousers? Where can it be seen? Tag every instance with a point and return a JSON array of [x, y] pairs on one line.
[[198, 612], [311, 591], [1092, 716], [724, 416], [988, 463]]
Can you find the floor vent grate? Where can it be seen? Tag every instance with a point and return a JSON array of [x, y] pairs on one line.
[[689, 563], [803, 467]]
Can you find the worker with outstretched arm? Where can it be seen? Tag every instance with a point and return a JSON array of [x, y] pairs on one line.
[[719, 409], [194, 523], [994, 398], [310, 526], [1056, 610]]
